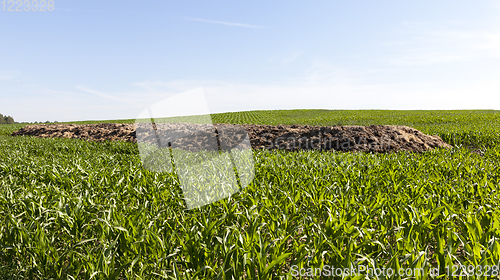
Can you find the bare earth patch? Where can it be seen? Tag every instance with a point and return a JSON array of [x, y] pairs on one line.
[[373, 138]]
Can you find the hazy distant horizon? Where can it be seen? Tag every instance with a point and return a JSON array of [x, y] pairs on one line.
[[128, 119]]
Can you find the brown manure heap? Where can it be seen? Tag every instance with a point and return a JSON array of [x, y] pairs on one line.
[[373, 138]]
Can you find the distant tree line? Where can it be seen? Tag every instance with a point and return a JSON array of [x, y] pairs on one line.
[[6, 119]]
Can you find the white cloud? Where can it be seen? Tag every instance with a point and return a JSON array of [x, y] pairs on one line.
[[244, 25], [8, 75], [286, 59], [105, 95], [430, 45]]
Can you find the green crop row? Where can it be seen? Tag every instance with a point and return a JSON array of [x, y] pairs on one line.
[[73, 209]]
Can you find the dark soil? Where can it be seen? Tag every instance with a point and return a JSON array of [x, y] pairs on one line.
[[373, 138], [94, 132]]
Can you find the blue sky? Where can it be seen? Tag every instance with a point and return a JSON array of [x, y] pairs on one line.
[[112, 59]]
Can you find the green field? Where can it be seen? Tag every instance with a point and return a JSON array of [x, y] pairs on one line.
[[72, 209]]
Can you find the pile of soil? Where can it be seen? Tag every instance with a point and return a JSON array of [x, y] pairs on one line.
[[93, 132], [373, 138]]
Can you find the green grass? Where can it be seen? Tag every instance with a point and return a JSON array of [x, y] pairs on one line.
[[72, 209], [7, 129]]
